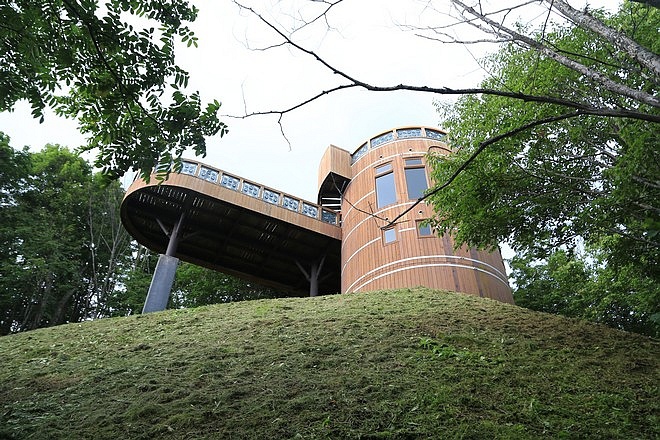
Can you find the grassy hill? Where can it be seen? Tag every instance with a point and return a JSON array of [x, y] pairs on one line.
[[402, 364]]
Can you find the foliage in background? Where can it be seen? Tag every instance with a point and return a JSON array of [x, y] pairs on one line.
[[112, 68], [583, 286], [63, 246], [197, 286], [193, 286], [129, 299], [578, 180], [65, 256]]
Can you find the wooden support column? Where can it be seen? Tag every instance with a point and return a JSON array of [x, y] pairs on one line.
[[161, 283]]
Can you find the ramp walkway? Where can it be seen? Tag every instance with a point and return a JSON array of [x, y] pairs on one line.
[[206, 216]]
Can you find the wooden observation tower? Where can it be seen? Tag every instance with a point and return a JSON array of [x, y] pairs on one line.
[[378, 181], [341, 243]]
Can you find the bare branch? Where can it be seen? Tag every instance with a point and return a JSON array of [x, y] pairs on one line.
[[482, 146], [323, 15], [584, 108], [296, 106], [638, 52], [353, 82], [595, 76], [279, 122], [453, 40]]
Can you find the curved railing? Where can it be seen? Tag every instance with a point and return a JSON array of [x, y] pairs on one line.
[[257, 191], [397, 134]]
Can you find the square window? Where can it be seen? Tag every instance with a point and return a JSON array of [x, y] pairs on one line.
[[250, 189], [329, 217], [389, 235], [229, 182], [271, 197], [424, 229], [289, 203], [208, 174], [310, 210]]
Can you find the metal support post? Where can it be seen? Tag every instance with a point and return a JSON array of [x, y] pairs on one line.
[[161, 284]]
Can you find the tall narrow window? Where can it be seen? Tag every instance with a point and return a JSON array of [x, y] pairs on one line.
[[385, 187], [415, 178]]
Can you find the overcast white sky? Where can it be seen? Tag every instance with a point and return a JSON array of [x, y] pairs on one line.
[[366, 44]]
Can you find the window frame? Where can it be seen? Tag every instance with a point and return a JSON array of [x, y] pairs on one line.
[[419, 224], [394, 239], [381, 171], [415, 166]]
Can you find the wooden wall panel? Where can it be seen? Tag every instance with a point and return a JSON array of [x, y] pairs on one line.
[[335, 160], [412, 260]]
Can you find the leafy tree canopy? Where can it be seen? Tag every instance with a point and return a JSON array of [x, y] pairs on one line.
[[580, 177], [62, 246], [579, 285], [572, 181], [112, 67]]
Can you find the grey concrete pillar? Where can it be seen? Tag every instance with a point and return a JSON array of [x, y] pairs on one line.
[[313, 275], [161, 284], [313, 279]]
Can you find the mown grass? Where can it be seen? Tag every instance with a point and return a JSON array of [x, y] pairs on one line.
[[402, 364]]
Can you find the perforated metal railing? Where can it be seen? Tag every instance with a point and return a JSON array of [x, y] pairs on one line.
[[257, 191]]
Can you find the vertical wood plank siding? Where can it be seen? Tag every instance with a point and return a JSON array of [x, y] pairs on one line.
[[335, 160], [370, 264]]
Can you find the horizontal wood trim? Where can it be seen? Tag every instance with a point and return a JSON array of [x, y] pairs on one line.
[[446, 261], [422, 266]]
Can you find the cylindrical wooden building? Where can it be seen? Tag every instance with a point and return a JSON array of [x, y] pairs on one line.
[[382, 178]]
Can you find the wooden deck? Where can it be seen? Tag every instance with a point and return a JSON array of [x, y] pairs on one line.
[[237, 226]]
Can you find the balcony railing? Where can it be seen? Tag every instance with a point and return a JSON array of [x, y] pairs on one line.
[[267, 195], [397, 134]]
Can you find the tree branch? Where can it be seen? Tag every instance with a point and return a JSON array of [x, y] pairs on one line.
[[354, 82], [482, 146], [638, 52], [605, 81]]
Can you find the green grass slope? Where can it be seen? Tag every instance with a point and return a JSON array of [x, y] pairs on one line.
[[402, 364]]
